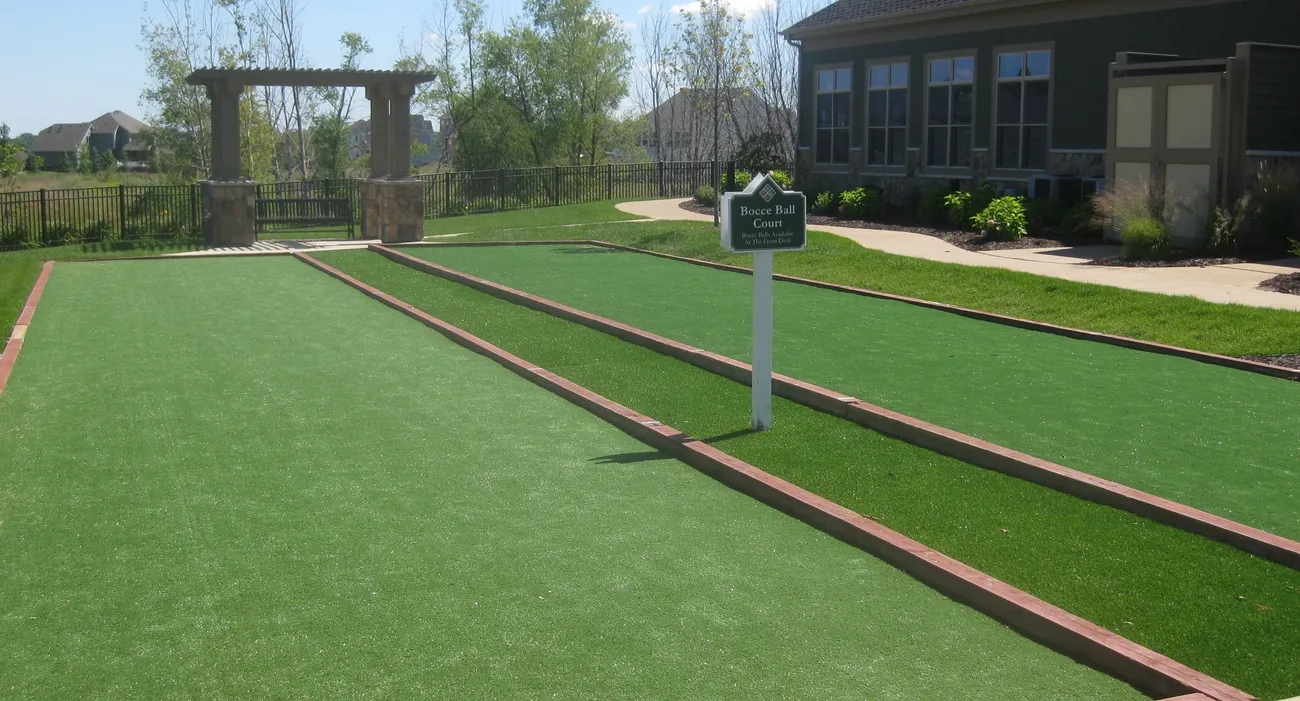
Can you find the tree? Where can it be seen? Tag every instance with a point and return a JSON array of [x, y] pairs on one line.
[[187, 34], [656, 80], [65, 164], [777, 65], [763, 152], [712, 56], [35, 163], [10, 164], [281, 23], [104, 162], [85, 162], [329, 136]]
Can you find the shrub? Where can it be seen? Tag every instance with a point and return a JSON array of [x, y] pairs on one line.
[[762, 152], [861, 203], [1226, 227], [743, 178], [1003, 220], [1144, 239], [705, 195], [827, 203], [1081, 220], [1276, 193], [782, 178], [932, 209], [1124, 203], [1044, 214], [962, 206]]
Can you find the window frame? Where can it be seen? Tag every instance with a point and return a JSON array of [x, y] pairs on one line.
[[994, 145], [972, 54], [817, 70], [891, 61]]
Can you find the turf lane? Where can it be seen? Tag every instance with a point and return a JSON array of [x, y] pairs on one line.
[[238, 478], [1219, 439], [1206, 604]]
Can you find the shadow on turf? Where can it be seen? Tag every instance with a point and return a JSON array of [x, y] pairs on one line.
[[586, 250], [629, 458]]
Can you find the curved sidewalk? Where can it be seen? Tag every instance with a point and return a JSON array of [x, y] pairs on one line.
[[1227, 284]]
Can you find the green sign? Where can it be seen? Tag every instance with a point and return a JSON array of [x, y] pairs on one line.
[[763, 218]]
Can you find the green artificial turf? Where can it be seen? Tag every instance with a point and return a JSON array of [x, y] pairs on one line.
[[240, 479], [1179, 321], [1218, 439], [19, 269], [561, 216], [1206, 604]]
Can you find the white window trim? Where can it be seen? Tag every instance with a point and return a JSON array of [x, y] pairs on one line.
[[885, 168], [817, 70], [998, 52], [973, 55]]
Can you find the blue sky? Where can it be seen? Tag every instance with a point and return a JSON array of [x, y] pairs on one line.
[[82, 57]]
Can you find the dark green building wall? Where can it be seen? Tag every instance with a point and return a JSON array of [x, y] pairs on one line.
[[1082, 51]]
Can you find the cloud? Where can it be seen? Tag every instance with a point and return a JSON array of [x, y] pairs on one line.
[[629, 25], [740, 7], [645, 10]]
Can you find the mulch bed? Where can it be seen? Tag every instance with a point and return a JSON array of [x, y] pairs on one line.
[[968, 240], [1189, 261], [1287, 361], [1288, 283]]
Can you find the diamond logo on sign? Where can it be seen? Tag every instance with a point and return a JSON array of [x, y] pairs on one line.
[[768, 193]]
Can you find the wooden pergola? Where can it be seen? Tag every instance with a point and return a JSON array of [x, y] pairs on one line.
[[389, 93]]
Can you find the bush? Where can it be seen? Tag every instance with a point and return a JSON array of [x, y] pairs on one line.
[[1144, 239], [1226, 227], [762, 152], [1044, 214], [705, 195], [962, 206], [861, 203], [827, 203], [1276, 193], [743, 178], [1003, 220], [1081, 220], [1124, 203], [932, 210], [782, 178]]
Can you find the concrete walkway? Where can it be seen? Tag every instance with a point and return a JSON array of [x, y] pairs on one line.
[[277, 246], [1235, 284]]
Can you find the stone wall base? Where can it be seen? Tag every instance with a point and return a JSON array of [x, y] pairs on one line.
[[392, 210], [229, 212]]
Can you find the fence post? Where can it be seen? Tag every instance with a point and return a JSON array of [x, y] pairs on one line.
[[662, 186], [196, 217], [731, 175], [609, 181], [446, 193], [501, 189], [121, 210], [555, 185], [44, 217]]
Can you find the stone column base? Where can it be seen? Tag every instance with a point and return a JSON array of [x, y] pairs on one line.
[[229, 212], [392, 210]]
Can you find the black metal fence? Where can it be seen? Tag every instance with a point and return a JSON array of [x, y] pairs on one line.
[[133, 212]]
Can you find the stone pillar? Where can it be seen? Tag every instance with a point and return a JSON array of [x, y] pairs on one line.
[[225, 129], [379, 131], [229, 212], [399, 134]]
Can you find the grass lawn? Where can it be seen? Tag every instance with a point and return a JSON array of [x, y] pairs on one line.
[[239, 478], [1206, 604], [1219, 439], [19, 269], [586, 213], [1179, 321]]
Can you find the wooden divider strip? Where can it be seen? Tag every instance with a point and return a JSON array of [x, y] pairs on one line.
[[14, 345]]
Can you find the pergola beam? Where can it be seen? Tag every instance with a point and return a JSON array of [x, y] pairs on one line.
[[305, 78]]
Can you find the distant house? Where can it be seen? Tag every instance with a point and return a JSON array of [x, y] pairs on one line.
[[113, 132], [422, 132], [685, 125], [116, 131], [55, 143]]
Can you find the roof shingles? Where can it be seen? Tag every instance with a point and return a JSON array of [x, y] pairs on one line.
[[850, 10]]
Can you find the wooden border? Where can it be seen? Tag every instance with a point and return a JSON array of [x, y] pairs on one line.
[[14, 345], [1068, 332], [927, 435], [1038, 620]]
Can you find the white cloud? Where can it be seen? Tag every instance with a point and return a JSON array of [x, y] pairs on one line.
[[629, 25], [740, 7], [645, 10]]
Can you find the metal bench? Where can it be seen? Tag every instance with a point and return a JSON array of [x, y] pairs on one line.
[[305, 211]]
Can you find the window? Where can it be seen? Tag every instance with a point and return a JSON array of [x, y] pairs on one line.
[[1024, 86], [834, 107], [951, 112], [887, 115]]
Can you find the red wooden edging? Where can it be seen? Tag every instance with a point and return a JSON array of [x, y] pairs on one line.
[[15, 343]]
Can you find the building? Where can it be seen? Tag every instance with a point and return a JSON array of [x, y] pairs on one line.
[[1050, 97], [422, 132], [115, 131], [685, 125]]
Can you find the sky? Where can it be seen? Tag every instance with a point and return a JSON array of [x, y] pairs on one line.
[[83, 57]]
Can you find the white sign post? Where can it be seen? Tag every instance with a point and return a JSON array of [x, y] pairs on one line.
[[762, 219]]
